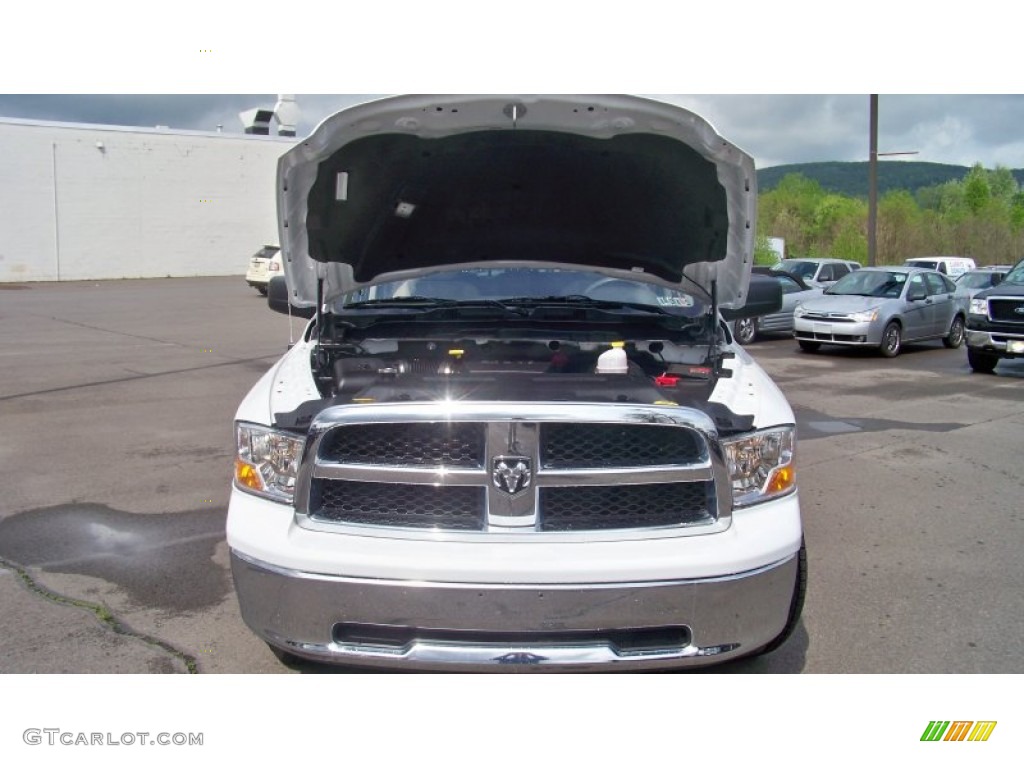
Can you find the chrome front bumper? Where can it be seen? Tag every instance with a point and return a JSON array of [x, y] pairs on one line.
[[996, 341], [491, 627], [851, 334]]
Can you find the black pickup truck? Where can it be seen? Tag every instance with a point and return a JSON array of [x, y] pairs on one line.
[[995, 324]]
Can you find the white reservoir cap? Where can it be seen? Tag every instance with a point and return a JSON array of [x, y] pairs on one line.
[[614, 360]]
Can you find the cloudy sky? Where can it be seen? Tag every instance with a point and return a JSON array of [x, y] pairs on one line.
[[960, 130]]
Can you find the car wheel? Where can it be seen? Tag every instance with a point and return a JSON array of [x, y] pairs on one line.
[[796, 605], [809, 346], [745, 330], [980, 362], [284, 656], [956, 334], [892, 340]]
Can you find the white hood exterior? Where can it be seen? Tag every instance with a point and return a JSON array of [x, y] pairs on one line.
[[699, 227]]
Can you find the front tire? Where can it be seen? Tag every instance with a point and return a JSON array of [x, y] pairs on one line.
[[745, 330], [796, 605], [955, 337], [892, 340], [286, 658], [981, 362]]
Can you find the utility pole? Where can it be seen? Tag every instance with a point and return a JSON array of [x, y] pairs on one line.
[[873, 181], [873, 178]]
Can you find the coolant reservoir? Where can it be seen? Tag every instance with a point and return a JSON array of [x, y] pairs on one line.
[[614, 360]]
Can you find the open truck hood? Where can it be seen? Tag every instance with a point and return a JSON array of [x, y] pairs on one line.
[[627, 186]]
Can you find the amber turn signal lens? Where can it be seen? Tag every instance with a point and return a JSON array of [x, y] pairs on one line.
[[782, 479], [247, 476]]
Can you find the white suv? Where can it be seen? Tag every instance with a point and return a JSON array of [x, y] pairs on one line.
[[817, 273], [516, 433], [263, 265]]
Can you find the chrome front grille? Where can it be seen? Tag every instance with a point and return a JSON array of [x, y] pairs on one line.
[[594, 508], [582, 446], [452, 508], [416, 444], [514, 468], [828, 317]]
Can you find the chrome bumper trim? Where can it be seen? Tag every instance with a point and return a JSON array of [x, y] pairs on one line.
[[992, 339], [725, 616]]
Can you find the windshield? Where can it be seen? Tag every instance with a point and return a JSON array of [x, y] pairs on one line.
[[1016, 275], [804, 269], [975, 280], [522, 284], [870, 283], [922, 263]]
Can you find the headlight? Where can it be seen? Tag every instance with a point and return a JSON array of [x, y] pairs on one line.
[[799, 311], [267, 461], [864, 317], [979, 307], [761, 465]]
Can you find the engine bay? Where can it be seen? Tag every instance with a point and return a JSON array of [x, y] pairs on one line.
[[383, 370], [409, 370]]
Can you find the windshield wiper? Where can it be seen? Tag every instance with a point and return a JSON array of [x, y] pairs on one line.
[[401, 301], [430, 303], [579, 300]]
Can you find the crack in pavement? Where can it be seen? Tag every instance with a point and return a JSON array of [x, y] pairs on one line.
[[123, 379], [102, 614]]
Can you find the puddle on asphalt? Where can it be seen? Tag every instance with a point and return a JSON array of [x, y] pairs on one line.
[[163, 561], [812, 424]]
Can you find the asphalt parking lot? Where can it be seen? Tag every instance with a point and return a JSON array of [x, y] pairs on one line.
[[116, 407]]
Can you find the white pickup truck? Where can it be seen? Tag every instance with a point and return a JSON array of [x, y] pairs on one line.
[[517, 433]]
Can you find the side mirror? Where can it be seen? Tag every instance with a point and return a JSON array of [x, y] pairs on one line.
[[277, 299], [916, 294], [764, 296]]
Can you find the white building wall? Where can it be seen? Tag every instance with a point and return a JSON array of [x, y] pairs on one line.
[[84, 202]]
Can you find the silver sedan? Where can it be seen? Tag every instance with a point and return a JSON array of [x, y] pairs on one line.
[[794, 293], [883, 307]]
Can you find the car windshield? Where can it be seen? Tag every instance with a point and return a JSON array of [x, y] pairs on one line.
[[922, 264], [975, 280], [1015, 275], [865, 282], [522, 285], [804, 269]]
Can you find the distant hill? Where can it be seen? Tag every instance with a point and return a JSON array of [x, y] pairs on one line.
[[852, 178]]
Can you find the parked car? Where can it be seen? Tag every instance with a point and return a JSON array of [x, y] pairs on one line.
[[883, 307], [817, 273], [995, 323], [954, 266], [975, 280], [515, 434], [263, 265], [794, 293]]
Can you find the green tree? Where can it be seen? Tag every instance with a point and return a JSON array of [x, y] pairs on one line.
[[763, 253], [1002, 184], [977, 191]]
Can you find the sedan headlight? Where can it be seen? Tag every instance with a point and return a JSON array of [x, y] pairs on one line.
[[979, 307], [761, 465], [867, 316], [799, 311], [267, 461]]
